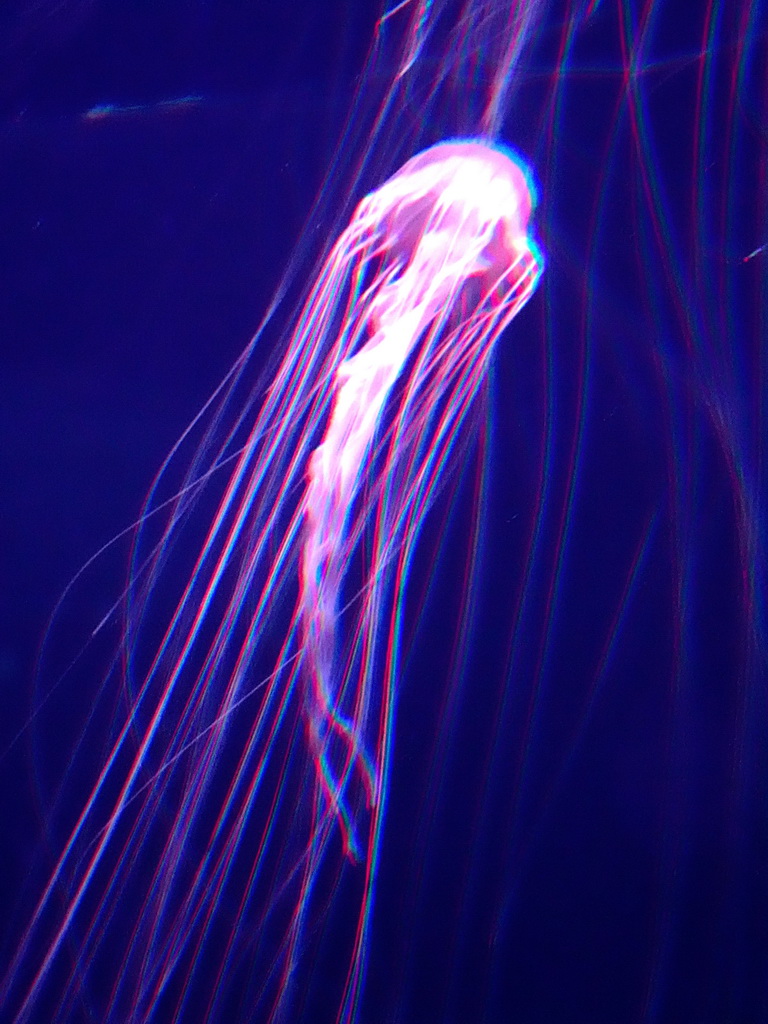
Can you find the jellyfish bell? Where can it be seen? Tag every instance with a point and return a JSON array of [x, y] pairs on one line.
[[460, 208]]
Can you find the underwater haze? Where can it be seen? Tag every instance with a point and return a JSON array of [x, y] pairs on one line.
[[477, 735]]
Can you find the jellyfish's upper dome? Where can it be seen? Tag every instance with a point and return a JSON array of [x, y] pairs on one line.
[[474, 192], [471, 170]]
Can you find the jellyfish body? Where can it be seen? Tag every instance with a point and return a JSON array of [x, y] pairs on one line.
[[455, 215]]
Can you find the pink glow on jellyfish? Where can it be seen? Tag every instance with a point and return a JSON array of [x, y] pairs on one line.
[[450, 232], [208, 796]]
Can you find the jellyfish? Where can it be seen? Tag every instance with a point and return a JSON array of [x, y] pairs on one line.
[[357, 426], [448, 231]]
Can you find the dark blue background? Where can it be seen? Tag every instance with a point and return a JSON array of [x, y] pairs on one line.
[[139, 246]]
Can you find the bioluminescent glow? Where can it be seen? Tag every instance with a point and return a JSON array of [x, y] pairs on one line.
[[442, 254], [433, 266]]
